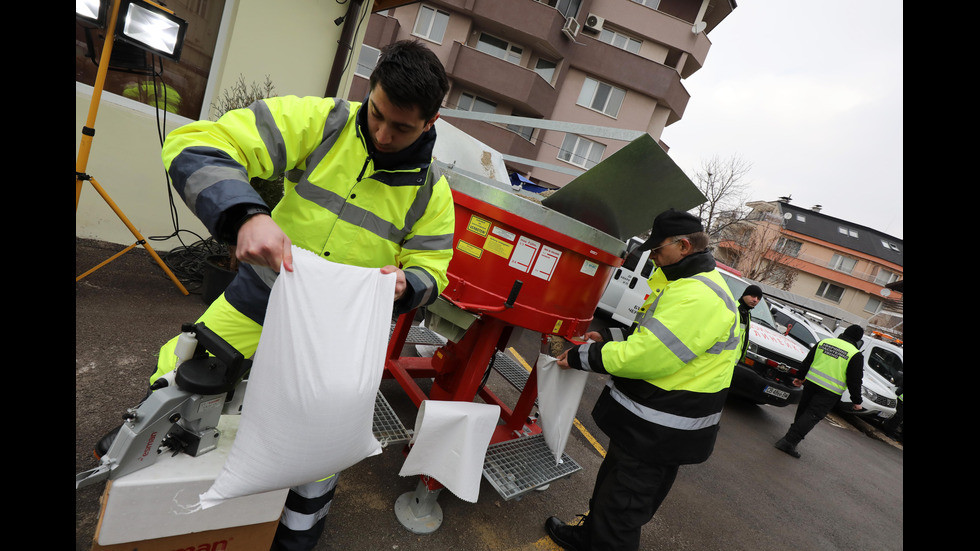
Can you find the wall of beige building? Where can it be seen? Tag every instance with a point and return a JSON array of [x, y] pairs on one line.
[[291, 42]]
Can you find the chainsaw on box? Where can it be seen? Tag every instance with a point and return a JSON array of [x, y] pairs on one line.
[[181, 413]]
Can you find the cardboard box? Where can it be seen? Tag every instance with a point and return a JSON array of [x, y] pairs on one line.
[[161, 503], [255, 537]]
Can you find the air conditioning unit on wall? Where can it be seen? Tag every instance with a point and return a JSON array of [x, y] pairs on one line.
[[593, 23], [571, 27]]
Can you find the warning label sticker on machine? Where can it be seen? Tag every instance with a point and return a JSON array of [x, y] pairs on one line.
[[500, 232], [524, 253], [546, 263], [479, 226], [498, 247], [469, 249]]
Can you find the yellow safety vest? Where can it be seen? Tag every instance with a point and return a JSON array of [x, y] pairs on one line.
[[829, 367]]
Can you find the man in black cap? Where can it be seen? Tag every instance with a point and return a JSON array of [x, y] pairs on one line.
[[662, 405], [749, 299], [831, 364]]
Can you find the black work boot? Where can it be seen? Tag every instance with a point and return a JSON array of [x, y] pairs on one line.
[[104, 443], [785, 446], [570, 537]]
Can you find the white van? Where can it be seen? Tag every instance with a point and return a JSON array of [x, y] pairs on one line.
[[627, 290]]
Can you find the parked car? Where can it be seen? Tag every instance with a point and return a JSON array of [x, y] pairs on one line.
[[798, 325], [765, 374], [883, 374]]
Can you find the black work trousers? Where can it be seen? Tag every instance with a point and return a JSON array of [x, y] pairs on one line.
[[304, 515], [815, 404], [627, 493]]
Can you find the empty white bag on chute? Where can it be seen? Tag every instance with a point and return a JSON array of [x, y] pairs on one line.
[[559, 393]]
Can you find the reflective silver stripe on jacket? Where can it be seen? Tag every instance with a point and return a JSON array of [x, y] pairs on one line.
[[733, 341], [674, 344], [205, 177], [266, 274], [840, 385], [662, 418], [271, 136], [425, 288]]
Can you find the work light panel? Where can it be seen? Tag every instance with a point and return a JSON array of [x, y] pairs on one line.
[[87, 8], [152, 29]]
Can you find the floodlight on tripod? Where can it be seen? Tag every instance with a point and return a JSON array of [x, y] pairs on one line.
[[148, 26]]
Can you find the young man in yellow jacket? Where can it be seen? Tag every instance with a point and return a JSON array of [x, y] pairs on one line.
[[357, 192], [669, 379]]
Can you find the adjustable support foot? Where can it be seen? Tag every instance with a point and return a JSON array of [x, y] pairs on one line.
[[419, 511]]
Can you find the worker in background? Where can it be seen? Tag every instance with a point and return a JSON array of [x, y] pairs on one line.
[[670, 377], [356, 193], [831, 366], [750, 299]]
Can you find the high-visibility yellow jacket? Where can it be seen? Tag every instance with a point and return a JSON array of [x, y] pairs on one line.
[[342, 200], [829, 366], [671, 376]]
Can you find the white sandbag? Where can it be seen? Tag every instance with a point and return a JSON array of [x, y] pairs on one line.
[[450, 444], [309, 405], [559, 393]]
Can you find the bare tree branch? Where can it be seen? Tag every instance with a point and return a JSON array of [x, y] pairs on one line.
[[723, 183]]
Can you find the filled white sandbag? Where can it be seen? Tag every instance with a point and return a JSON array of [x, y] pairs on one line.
[[309, 403]]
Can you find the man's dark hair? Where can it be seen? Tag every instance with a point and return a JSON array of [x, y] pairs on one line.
[[411, 75]]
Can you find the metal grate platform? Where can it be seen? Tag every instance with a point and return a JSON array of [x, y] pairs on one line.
[[514, 372], [420, 335], [388, 429], [516, 467]]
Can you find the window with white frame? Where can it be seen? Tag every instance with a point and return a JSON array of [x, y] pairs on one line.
[[545, 69], [873, 306], [367, 59], [842, 263], [788, 247], [649, 3], [471, 102], [431, 24], [620, 40], [884, 277], [498, 47], [580, 151], [525, 132], [568, 8], [830, 291], [889, 245], [843, 230], [602, 97]]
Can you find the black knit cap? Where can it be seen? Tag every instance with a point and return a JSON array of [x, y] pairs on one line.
[[753, 291], [671, 223], [853, 333]]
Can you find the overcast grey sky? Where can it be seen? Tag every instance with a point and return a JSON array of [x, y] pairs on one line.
[[809, 93]]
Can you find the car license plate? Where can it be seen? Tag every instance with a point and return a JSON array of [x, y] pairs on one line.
[[776, 392]]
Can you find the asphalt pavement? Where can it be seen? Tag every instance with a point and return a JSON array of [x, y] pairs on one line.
[[846, 492]]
